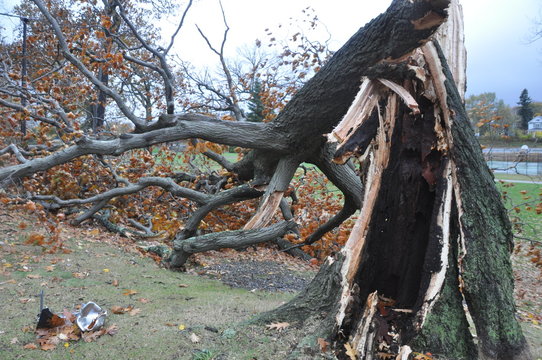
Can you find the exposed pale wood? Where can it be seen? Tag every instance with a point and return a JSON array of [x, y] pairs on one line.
[[443, 222], [266, 211], [430, 20], [359, 111], [354, 246], [404, 352], [438, 79], [438, 83], [451, 38], [403, 93], [274, 192], [363, 339]]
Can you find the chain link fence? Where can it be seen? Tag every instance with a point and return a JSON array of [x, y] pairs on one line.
[[514, 161]]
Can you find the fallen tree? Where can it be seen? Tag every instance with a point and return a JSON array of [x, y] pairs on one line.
[[432, 230]]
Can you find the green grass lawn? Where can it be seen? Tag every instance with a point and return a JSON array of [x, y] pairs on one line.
[[521, 200]]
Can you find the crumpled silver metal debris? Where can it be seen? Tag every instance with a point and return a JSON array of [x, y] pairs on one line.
[[90, 317]]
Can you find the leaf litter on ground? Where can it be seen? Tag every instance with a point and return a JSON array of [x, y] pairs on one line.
[[52, 329]]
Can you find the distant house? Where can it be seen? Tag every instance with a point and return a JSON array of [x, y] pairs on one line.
[[535, 125]]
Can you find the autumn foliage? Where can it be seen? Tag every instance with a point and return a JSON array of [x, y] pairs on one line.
[[115, 45]]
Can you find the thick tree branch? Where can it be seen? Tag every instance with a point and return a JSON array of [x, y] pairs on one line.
[[165, 183], [90, 212], [240, 193], [221, 160], [250, 135], [226, 239]]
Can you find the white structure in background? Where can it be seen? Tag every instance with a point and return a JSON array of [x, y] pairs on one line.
[[535, 125]]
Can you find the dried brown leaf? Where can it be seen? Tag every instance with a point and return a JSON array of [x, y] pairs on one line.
[[194, 338], [129, 292], [30, 346], [386, 356], [91, 336], [350, 352], [112, 330], [68, 315], [278, 326], [134, 312], [117, 310], [47, 347], [53, 340], [323, 344], [27, 328]]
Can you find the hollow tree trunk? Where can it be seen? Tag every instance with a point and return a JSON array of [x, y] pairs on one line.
[[433, 240]]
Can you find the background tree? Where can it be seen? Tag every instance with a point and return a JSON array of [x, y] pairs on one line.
[[255, 105], [491, 116], [537, 108], [525, 111]]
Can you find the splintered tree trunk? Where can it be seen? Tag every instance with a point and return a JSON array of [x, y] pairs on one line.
[[432, 244]]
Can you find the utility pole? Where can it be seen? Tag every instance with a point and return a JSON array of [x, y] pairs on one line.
[[23, 75]]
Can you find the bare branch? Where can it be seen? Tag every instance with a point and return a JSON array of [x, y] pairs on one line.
[[12, 148], [240, 193], [22, 109], [219, 159], [178, 27], [165, 71], [232, 99], [118, 179], [90, 213], [84, 70]]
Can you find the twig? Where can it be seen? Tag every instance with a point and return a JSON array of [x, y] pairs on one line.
[[15, 151], [527, 239]]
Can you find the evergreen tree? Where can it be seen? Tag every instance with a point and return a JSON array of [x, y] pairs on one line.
[[255, 104], [525, 111]]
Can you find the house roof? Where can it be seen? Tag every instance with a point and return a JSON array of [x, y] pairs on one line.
[[536, 119]]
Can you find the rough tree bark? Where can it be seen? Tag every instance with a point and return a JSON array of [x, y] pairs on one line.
[[433, 241]]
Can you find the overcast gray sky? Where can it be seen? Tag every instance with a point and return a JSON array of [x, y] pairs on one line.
[[500, 57]]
